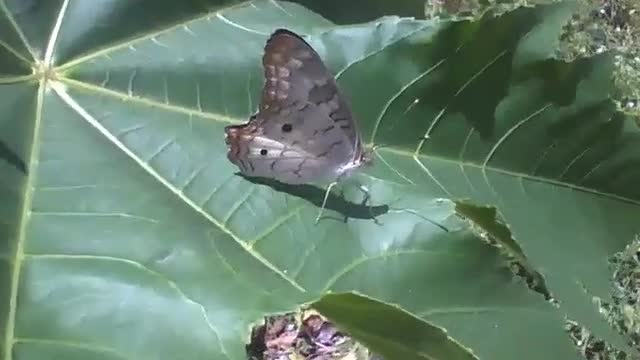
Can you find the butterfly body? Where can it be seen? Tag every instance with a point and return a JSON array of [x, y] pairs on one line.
[[304, 130]]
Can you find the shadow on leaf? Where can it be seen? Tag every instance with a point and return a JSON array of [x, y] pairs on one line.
[[315, 196], [12, 158]]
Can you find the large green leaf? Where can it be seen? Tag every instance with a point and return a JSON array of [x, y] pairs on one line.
[[126, 233]]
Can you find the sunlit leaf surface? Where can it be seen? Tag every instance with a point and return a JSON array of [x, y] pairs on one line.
[[126, 233]]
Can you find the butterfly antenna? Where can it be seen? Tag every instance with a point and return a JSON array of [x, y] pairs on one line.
[[324, 201]]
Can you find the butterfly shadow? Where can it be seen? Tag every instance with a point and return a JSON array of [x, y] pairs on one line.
[[315, 195]]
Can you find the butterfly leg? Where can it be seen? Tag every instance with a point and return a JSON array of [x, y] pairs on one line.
[[324, 201], [366, 201]]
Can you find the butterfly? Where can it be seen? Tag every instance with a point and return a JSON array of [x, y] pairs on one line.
[[304, 130]]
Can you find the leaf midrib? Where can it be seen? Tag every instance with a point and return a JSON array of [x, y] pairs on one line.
[[515, 174], [59, 88], [22, 228]]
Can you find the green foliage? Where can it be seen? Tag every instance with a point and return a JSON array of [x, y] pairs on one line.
[[598, 26], [126, 233]]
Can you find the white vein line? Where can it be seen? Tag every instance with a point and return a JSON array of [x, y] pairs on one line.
[[188, 30], [60, 90], [130, 130], [94, 214], [48, 55], [511, 130], [591, 172], [373, 53], [96, 348], [14, 52], [399, 93], [227, 266], [424, 168], [160, 149], [238, 205], [417, 214], [384, 161], [475, 310], [410, 107], [383, 255], [25, 216], [192, 177], [542, 158], [493, 191], [130, 84], [275, 3], [527, 176], [435, 121], [107, 75], [463, 149], [19, 78], [158, 42], [461, 160], [149, 102], [276, 224], [458, 92], [224, 19], [304, 258], [212, 193], [136, 264], [198, 97], [18, 31], [68, 187], [466, 178], [480, 72], [575, 159]]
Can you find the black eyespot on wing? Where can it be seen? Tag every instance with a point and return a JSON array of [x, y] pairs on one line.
[[286, 128], [263, 152]]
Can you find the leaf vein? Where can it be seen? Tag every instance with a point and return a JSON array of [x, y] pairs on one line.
[[512, 130], [72, 344], [402, 89], [61, 91], [149, 102], [172, 284]]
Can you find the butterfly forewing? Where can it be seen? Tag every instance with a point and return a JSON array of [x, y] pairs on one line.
[[304, 130]]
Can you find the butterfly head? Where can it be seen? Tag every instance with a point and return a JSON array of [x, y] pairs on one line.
[[366, 158]]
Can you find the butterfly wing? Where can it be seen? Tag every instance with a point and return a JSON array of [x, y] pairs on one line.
[[296, 77], [304, 130]]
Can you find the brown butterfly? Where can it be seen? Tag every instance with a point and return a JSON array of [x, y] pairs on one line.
[[304, 130]]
